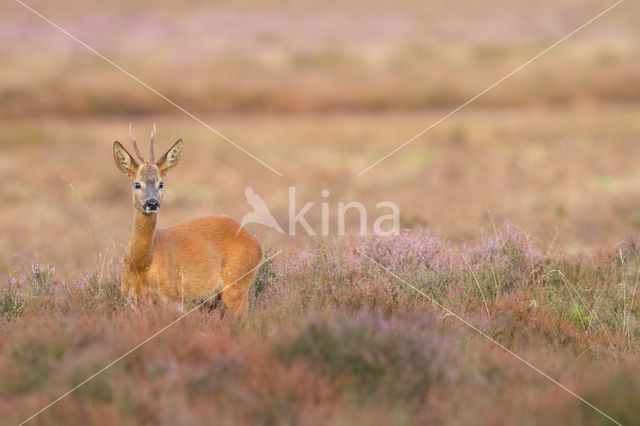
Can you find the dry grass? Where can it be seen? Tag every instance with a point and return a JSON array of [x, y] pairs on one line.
[[281, 56], [569, 176]]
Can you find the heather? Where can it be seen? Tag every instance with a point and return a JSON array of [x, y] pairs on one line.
[[333, 338]]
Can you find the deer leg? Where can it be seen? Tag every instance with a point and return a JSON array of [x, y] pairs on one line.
[[235, 296]]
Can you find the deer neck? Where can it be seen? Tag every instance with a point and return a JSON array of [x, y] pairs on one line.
[[140, 245]]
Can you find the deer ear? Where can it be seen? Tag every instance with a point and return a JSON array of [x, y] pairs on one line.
[[171, 158], [124, 160]]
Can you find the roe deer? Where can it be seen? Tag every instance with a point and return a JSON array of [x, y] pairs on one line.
[[190, 260]]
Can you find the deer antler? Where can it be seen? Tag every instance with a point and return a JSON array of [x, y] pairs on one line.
[[135, 145], [153, 136]]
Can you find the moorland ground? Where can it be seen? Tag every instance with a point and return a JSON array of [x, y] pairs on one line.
[[522, 211]]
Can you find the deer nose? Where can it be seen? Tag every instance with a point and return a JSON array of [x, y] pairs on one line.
[[151, 205]]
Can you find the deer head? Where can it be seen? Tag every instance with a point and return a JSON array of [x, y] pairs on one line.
[[146, 176]]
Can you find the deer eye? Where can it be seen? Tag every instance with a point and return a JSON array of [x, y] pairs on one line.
[[137, 185], [161, 185]]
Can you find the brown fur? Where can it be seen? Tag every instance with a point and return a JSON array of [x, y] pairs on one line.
[[190, 260]]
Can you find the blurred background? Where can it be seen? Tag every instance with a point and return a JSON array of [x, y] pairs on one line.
[[320, 90]]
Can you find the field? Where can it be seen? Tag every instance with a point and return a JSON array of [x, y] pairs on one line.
[[519, 214]]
